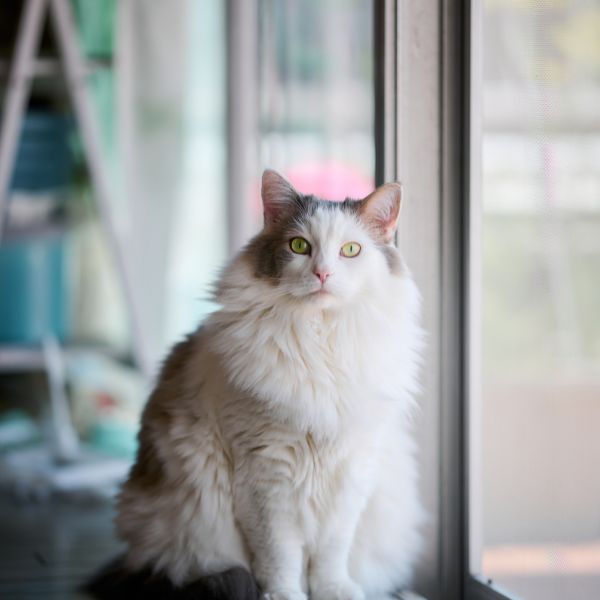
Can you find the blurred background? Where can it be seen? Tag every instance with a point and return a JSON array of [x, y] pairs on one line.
[[181, 148], [134, 174], [540, 291]]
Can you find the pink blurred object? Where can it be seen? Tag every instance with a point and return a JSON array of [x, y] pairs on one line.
[[330, 180]]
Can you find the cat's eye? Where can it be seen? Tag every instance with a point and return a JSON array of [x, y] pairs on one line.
[[350, 249], [299, 245]]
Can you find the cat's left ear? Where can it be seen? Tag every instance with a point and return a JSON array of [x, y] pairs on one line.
[[381, 209], [277, 194]]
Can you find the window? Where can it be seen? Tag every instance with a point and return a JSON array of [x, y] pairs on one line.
[[496, 128], [535, 248]]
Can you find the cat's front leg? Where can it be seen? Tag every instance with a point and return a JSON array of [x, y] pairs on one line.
[[269, 524], [277, 562], [328, 577]]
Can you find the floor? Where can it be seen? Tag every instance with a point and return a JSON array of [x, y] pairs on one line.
[[47, 550]]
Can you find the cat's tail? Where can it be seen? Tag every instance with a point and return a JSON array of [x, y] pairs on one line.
[[115, 582]]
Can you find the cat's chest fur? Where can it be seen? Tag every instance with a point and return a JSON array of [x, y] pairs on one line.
[[320, 373]]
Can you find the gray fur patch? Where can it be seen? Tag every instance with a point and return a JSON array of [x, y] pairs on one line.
[[268, 251], [393, 258]]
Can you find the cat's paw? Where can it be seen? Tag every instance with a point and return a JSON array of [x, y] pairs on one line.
[[337, 590], [284, 595]]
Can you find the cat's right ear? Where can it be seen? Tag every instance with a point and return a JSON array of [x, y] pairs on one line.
[[277, 196], [381, 210]]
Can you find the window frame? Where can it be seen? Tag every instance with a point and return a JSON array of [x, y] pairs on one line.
[[427, 89], [241, 35]]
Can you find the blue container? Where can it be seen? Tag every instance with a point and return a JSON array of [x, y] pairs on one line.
[[96, 22], [33, 288], [44, 158]]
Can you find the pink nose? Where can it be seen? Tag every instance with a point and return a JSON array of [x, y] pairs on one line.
[[322, 274]]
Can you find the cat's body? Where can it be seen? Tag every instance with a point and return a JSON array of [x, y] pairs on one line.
[[277, 438]]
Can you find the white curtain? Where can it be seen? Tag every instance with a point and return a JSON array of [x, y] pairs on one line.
[[170, 82], [151, 84]]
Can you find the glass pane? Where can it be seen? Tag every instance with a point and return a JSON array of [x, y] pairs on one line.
[[316, 94], [540, 211]]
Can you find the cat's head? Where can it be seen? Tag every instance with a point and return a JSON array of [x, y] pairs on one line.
[[325, 253]]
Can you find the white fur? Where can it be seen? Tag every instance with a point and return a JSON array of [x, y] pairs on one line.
[[290, 451]]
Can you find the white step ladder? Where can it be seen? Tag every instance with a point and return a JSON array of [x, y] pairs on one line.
[[24, 67]]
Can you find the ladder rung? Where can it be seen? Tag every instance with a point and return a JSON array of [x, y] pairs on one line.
[[50, 67]]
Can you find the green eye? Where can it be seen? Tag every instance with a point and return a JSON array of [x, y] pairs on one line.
[[299, 245], [350, 249]]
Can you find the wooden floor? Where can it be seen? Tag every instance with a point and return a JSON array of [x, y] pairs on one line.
[[47, 550]]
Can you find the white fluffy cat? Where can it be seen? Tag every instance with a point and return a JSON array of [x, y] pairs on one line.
[[278, 438]]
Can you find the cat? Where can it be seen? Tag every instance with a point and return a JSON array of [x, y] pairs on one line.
[[277, 440]]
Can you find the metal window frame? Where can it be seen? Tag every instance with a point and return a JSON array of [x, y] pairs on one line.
[[419, 99], [385, 81], [241, 33], [479, 589], [426, 86]]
